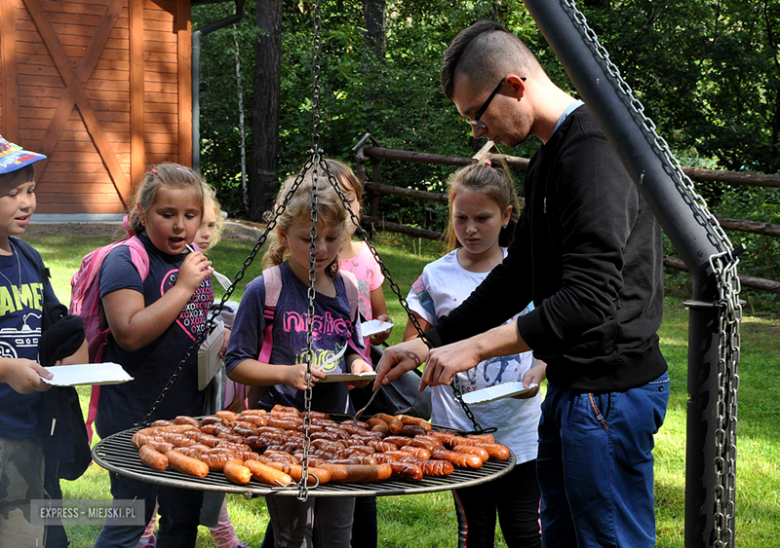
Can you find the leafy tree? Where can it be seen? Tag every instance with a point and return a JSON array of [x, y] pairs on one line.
[[707, 72]]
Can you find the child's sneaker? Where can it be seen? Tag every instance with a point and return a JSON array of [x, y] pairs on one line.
[[242, 545]]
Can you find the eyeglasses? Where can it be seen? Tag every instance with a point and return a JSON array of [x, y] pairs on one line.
[[476, 120]]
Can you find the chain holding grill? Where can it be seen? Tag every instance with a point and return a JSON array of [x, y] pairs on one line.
[[211, 323], [397, 292], [724, 268], [314, 163]]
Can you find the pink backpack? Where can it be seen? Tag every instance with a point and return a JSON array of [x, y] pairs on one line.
[[85, 302], [236, 393]]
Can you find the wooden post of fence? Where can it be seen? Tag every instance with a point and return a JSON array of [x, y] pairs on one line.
[[375, 177], [360, 167]]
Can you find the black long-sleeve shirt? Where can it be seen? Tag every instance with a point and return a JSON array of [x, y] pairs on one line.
[[587, 250]]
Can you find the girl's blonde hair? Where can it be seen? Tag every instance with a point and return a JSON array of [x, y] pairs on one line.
[[330, 209], [344, 174], [166, 175], [211, 202], [493, 181]]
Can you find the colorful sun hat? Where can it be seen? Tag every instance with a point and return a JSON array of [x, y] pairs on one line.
[[14, 157]]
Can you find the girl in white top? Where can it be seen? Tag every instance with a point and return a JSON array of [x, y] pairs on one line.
[[483, 212]]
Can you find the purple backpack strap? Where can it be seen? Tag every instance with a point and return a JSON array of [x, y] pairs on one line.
[[351, 288], [272, 278]]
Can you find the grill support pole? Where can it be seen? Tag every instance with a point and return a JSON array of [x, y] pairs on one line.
[[693, 238]]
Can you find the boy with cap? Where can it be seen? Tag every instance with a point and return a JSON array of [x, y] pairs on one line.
[[22, 294]]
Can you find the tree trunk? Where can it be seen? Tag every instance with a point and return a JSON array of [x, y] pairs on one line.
[[265, 110], [374, 15], [241, 123]]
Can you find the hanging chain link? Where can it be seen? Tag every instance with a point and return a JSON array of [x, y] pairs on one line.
[[303, 487], [728, 387], [316, 158], [397, 291], [210, 324], [724, 267]]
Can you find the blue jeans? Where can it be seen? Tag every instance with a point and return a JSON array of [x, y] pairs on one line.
[[595, 466], [179, 515]]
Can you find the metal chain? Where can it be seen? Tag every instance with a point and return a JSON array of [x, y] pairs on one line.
[[303, 487], [210, 324], [316, 156], [397, 291], [315, 142], [724, 267], [728, 387]]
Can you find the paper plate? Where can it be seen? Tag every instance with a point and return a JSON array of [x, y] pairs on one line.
[[346, 377], [89, 373], [372, 327], [497, 392]]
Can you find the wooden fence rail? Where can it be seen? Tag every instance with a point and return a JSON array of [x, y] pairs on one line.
[[374, 189]]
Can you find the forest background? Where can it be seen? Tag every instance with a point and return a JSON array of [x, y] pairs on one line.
[[706, 71]]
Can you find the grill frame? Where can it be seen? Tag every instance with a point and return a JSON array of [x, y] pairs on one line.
[[117, 454]]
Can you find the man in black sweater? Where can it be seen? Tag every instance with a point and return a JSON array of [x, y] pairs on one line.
[[587, 251]]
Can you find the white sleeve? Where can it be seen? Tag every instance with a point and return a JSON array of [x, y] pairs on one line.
[[415, 304]]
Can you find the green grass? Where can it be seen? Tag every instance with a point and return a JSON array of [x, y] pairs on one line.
[[428, 520]]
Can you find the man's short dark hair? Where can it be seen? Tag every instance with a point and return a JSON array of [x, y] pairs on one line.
[[459, 45], [484, 53]]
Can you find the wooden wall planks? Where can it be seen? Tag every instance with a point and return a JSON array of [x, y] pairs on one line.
[[103, 87]]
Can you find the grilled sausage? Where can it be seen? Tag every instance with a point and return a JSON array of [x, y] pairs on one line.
[[422, 423], [187, 465], [495, 450], [256, 420], [407, 471], [387, 458], [291, 423], [395, 425], [295, 471], [473, 450], [432, 468], [443, 437], [213, 419], [461, 460], [184, 419], [400, 441], [215, 429], [236, 472], [266, 474], [419, 452], [284, 409], [413, 430], [460, 440], [152, 458], [378, 425], [143, 436], [358, 473], [484, 438], [216, 459], [254, 412], [161, 447], [382, 446], [227, 415]]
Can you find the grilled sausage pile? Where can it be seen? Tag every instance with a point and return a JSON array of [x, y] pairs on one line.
[[268, 447]]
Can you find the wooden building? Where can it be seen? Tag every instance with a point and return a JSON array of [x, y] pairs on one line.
[[103, 88]]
